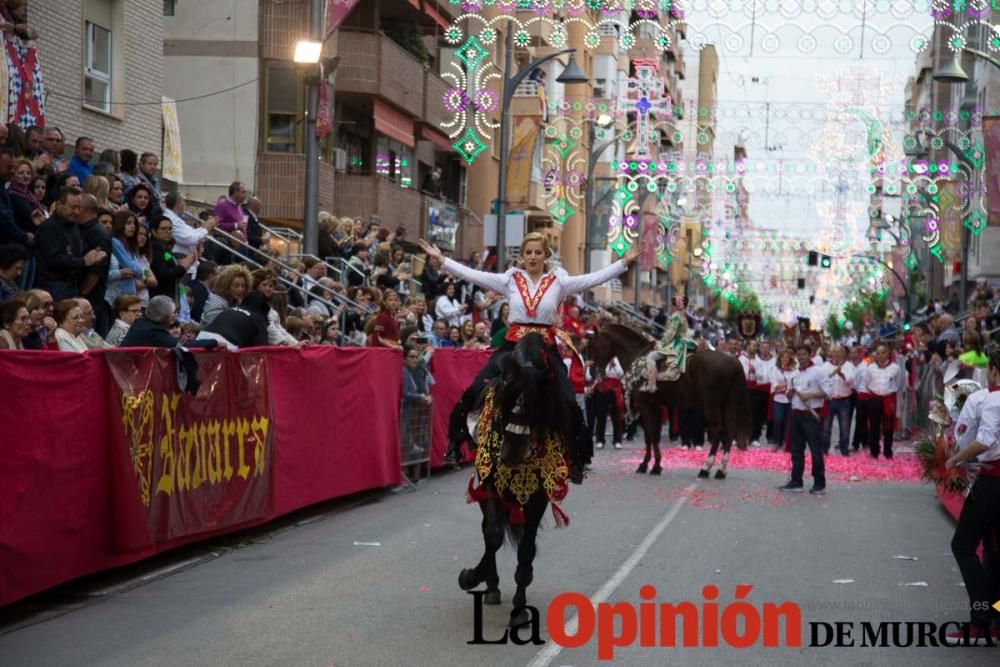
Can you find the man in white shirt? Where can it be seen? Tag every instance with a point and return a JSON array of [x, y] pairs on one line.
[[841, 374], [810, 387], [979, 521], [186, 238], [759, 382], [860, 386], [883, 379]]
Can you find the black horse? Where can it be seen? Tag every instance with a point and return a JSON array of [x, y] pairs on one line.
[[522, 442], [713, 382]]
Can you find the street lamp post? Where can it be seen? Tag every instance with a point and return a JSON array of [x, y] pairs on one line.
[[595, 153], [308, 52], [571, 74]]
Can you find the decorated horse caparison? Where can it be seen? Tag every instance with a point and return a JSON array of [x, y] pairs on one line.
[[522, 438], [712, 382]]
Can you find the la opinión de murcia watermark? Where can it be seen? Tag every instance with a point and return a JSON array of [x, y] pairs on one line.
[[738, 623]]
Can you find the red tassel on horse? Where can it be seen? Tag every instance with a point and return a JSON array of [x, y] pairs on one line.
[[560, 517], [516, 514], [476, 494]]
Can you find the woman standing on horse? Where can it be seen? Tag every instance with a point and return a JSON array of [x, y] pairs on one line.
[[534, 294]]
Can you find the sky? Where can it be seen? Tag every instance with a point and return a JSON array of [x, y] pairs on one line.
[[774, 90]]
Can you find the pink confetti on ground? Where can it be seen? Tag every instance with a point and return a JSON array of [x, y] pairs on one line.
[[903, 468], [424, 589]]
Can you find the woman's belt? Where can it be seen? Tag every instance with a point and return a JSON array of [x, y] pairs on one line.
[[515, 332]]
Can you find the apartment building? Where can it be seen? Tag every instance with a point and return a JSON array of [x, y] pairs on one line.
[[386, 97], [608, 67], [103, 70]]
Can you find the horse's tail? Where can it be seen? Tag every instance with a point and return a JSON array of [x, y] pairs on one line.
[[513, 531], [736, 409]]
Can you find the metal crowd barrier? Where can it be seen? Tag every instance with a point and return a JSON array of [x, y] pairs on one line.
[[415, 439]]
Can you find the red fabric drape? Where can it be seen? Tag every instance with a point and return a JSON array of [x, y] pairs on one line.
[[453, 371], [336, 420]]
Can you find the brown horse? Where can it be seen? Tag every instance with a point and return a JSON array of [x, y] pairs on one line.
[[712, 381]]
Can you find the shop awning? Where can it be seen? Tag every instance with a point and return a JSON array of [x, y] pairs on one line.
[[434, 14], [440, 140], [394, 124]]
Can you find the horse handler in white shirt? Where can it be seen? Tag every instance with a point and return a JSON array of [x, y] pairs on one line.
[[841, 375], [810, 387]]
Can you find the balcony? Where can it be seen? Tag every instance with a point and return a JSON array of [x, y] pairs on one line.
[[280, 183], [434, 88], [361, 195], [372, 64]]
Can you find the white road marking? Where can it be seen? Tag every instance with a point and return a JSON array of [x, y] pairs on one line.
[[552, 650]]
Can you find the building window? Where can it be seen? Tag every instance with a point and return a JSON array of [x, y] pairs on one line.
[[394, 160], [169, 6], [97, 67], [284, 109]]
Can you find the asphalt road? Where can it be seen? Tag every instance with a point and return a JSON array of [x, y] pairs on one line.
[[311, 595]]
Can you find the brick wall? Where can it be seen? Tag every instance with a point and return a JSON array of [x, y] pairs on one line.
[[281, 181], [60, 45]]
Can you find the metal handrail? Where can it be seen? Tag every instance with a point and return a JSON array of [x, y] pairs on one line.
[[338, 299]]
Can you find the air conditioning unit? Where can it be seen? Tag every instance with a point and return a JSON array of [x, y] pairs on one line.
[[340, 159]]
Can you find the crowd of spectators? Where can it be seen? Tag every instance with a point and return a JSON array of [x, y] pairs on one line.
[[94, 253]]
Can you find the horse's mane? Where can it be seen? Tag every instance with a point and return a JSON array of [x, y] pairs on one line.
[[630, 331]]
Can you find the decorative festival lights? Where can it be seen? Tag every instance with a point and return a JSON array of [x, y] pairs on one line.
[[855, 161]]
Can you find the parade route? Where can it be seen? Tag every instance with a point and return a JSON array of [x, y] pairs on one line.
[[374, 583]]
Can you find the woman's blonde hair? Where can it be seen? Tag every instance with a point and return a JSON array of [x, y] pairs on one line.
[[225, 279], [541, 238], [99, 187]]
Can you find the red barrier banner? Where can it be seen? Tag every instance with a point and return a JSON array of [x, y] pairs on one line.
[[182, 463], [453, 371]]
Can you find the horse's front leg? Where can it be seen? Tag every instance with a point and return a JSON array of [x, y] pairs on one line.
[[486, 570], [533, 512]]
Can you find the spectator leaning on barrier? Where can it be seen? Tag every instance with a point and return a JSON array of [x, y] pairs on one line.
[[127, 310], [153, 329], [244, 325]]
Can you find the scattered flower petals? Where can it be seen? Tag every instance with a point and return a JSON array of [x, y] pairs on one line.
[[905, 557], [922, 584], [843, 581], [367, 544], [424, 589], [904, 467]]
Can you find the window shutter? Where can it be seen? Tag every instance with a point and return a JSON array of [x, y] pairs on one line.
[[99, 12]]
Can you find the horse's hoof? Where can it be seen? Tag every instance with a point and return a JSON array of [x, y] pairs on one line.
[[492, 598], [467, 580], [703, 474], [719, 474], [656, 470], [518, 617], [643, 467]]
